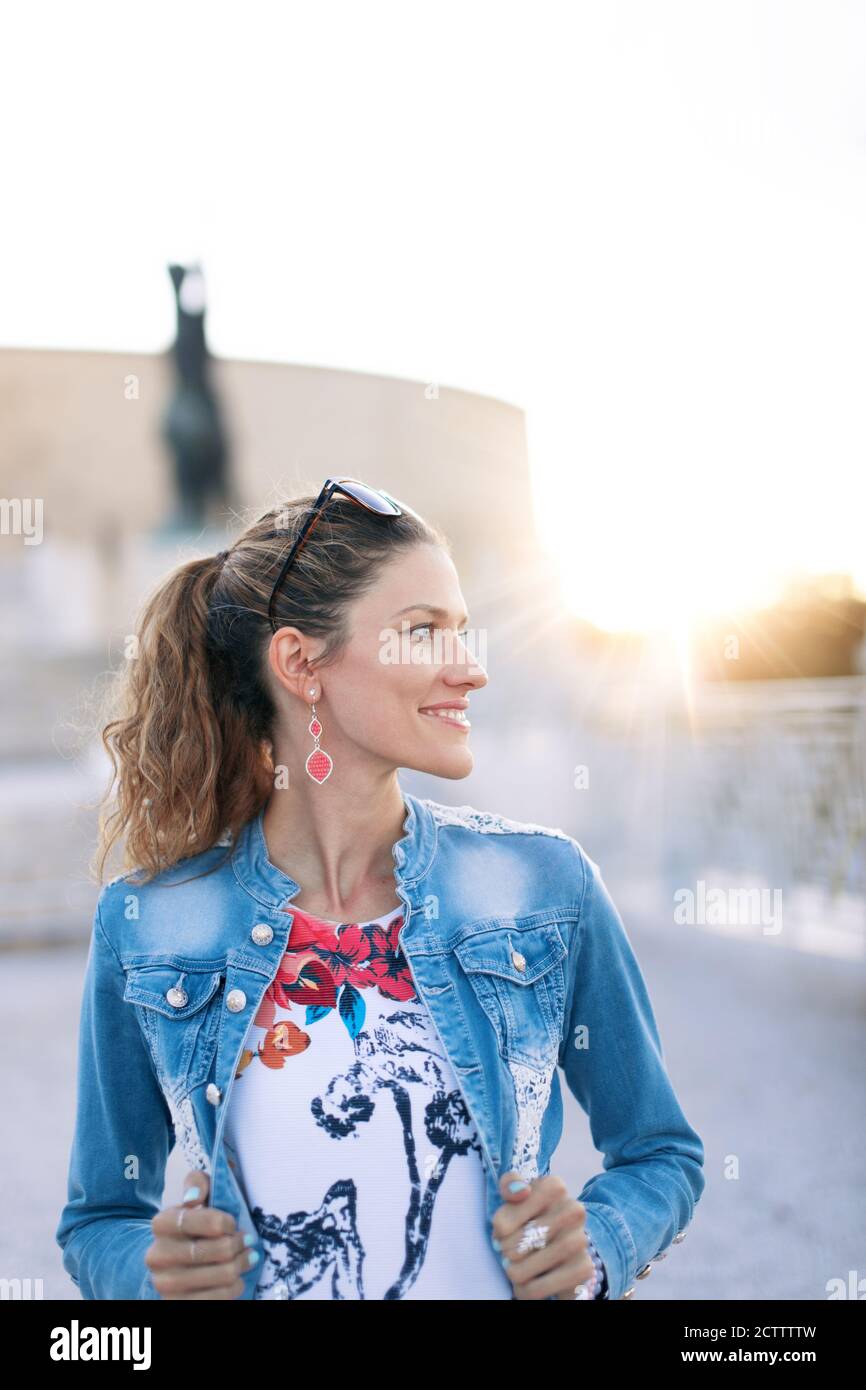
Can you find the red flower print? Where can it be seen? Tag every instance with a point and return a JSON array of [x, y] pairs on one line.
[[304, 977], [282, 1041], [310, 931], [348, 960], [356, 955], [387, 966]]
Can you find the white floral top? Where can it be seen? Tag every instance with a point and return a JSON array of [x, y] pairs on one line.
[[348, 1132]]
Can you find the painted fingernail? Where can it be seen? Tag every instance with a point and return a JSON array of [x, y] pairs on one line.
[[253, 1256], [249, 1238], [191, 1194], [505, 1262], [496, 1244], [517, 1185]]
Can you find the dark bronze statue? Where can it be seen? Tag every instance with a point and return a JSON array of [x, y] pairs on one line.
[[192, 426]]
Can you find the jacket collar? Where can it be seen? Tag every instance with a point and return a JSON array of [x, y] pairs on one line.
[[272, 887]]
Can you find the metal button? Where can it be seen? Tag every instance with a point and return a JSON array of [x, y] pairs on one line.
[[236, 1000], [662, 1255], [642, 1273], [177, 997], [678, 1238], [518, 960], [213, 1093], [628, 1293], [262, 934]]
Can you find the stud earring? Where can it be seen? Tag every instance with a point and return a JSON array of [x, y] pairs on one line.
[[319, 764]]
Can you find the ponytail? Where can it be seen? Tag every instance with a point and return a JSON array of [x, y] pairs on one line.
[[177, 746]]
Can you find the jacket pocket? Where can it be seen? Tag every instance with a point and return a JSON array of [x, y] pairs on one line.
[[517, 974], [178, 1005]]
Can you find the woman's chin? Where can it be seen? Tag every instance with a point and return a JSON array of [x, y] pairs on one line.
[[454, 763]]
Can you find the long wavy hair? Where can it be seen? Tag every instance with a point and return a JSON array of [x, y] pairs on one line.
[[191, 720]]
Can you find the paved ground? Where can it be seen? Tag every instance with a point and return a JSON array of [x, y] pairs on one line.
[[766, 1049]]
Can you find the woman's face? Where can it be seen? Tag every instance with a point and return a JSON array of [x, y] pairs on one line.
[[401, 659]]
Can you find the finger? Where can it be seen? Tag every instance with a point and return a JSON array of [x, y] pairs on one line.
[[218, 1291], [230, 1291], [520, 1193], [554, 1219], [196, 1186], [569, 1293], [543, 1192], [168, 1251], [181, 1280], [557, 1269], [183, 1221]]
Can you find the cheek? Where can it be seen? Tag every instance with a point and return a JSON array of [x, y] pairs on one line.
[[376, 700], [401, 686], [379, 700]]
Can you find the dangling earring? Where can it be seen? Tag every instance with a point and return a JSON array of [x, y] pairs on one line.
[[319, 764]]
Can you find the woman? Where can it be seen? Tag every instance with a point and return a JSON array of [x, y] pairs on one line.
[[382, 985]]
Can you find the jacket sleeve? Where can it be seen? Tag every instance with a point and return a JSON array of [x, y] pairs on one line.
[[614, 1065], [123, 1136]]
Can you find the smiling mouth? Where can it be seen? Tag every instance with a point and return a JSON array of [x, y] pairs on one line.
[[455, 718]]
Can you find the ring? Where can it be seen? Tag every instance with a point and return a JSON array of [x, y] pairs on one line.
[[181, 1213], [192, 1251], [533, 1238]]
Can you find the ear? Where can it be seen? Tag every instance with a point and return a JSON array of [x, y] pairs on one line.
[[290, 655]]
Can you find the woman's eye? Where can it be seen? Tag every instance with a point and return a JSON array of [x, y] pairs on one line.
[[428, 627]]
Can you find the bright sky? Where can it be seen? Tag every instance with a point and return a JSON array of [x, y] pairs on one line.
[[644, 223]]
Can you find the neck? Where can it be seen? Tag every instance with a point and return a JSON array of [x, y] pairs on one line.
[[336, 842]]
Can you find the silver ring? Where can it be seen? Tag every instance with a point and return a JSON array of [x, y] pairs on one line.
[[533, 1238], [192, 1251]]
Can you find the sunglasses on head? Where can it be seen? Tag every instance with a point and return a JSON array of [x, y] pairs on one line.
[[370, 497]]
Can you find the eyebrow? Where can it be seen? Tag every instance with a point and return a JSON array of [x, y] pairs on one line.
[[429, 608]]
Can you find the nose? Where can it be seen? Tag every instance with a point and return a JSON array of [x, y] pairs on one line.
[[467, 667]]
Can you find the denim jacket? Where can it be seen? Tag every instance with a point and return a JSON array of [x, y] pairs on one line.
[[518, 952]]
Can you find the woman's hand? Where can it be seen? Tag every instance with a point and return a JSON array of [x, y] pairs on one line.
[[198, 1252], [564, 1261]]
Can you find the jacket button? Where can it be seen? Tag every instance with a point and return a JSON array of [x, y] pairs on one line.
[[262, 934], [642, 1273], [678, 1238], [236, 1000], [662, 1255], [518, 960], [177, 997], [213, 1093], [628, 1293]]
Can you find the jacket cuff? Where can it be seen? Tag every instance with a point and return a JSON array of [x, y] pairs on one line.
[[612, 1239]]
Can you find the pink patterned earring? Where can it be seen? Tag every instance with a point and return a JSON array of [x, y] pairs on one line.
[[319, 763]]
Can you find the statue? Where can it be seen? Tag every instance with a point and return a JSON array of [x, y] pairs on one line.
[[191, 425]]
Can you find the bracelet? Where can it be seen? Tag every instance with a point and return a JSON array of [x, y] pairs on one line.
[[596, 1286], [601, 1291]]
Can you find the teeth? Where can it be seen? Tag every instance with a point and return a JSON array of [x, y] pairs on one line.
[[457, 716]]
